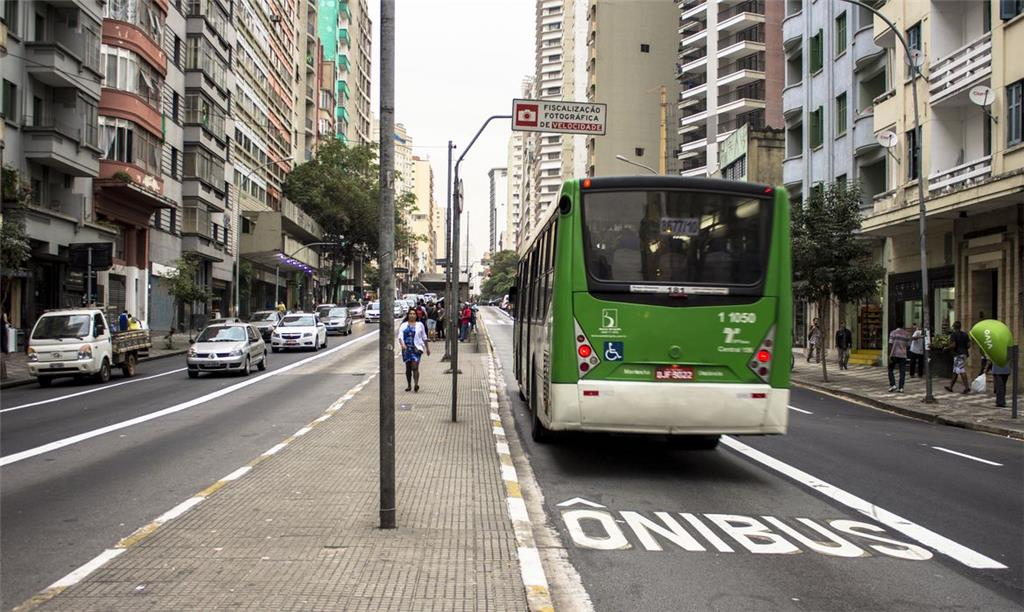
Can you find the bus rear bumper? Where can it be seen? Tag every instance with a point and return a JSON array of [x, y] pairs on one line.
[[667, 408]]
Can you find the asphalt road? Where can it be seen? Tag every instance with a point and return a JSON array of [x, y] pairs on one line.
[[64, 499], [742, 513]]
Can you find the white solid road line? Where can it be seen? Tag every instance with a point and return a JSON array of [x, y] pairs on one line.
[[88, 391], [800, 410], [966, 456], [52, 446], [925, 536]]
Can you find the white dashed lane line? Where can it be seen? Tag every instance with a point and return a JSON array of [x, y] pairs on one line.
[[966, 456], [800, 410], [88, 391]]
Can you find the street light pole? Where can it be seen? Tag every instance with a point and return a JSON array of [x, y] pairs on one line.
[[448, 250], [912, 62], [453, 295], [238, 229], [622, 158]]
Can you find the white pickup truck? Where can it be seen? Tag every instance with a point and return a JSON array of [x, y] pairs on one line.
[[79, 342]]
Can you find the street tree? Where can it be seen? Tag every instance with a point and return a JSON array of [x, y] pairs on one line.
[[186, 290], [339, 188], [830, 259], [502, 275], [15, 250]]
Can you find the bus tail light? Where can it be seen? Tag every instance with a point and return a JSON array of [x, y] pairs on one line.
[[586, 357], [761, 363]]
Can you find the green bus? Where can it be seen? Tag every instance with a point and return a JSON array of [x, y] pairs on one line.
[[657, 305]]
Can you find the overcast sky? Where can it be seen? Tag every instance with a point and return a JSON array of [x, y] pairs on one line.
[[458, 62]]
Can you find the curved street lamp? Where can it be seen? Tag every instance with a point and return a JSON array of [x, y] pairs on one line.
[[623, 158]]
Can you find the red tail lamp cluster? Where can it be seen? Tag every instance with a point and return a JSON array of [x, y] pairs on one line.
[[761, 364], [585, 357]]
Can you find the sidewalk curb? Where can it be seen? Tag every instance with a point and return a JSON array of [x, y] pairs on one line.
[[920, 415], [20, 382]]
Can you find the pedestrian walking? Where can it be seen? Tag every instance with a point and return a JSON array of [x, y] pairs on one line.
[[442, 321], [844, 343], [431, 321], [916, 352], [4, 344], [1001, 374], [899, 341], [961, 347], [464, 317], [472, 318], [813, 342], [412, 336]]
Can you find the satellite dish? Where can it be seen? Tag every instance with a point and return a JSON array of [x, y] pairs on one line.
[[982, 96], [887, 139], [915, 59]]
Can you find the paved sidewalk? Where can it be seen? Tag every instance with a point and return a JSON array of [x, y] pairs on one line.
[[17, 363], [870, 384], [299, 530]]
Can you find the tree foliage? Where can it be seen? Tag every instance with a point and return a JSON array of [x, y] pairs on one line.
[[829, 259], [184, 287], [502, 275], [15, 249], [340, 188]]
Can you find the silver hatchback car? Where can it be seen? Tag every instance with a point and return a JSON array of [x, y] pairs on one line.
[[229, 347]]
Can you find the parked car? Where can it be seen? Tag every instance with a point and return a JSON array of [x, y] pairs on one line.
[[224, 321], [299, 331], [228, 347], [79, 342], [373, 312], [265, 321], [356, 310], [337, 321], [400, 308]]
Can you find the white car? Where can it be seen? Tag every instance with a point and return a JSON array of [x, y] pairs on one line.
[[302, 330], [372, 313]]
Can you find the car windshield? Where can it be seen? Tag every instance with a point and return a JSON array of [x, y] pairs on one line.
[[62, 326], [374, 306], [354, 304], [338, 312], [298, 321], [323, 312], [263, 315], [222, 333]]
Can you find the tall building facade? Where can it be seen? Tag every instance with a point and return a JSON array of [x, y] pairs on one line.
[[516, 167], [631, 51], [423, 216], [498, 178], [346, 35], [972, 164], [730, 69], [834, 71]]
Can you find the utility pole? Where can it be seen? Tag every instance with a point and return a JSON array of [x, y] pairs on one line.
[[662, 134], [448, 252], [387, 265]]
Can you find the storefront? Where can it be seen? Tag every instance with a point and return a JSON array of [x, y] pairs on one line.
[[904, 303]]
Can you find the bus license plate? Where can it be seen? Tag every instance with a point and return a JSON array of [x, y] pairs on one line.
[[673, 373]]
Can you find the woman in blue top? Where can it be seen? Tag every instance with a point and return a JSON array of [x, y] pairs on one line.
[[412, 336]]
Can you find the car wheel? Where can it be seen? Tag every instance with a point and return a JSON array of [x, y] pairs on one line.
[[539, 433], [45, 381], [325, 341], [274, 349], [104, 374], [263, 362], [246, 367], [193, 373], [128, 369]]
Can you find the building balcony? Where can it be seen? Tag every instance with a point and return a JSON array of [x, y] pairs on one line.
[[793, 99], [740, 48], [793, 170], [959, 177], [864, 138], [689, 26], [60, 146], [692, 8], [740, 17], [212, 197], [696, 66], [54, 64], [697, 39], [884, 107], [960, 70], [298, 223], [793, 30], [865, 52], [743, 71], [741, 100], [753, 119]]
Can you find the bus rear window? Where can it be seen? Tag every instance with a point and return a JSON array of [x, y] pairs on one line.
[[676, 237]]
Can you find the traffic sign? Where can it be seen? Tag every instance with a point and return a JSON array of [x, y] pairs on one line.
[[559, 116]]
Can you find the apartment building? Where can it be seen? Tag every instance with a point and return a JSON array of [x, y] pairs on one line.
[[52, 85], [498, 179], [834, 71], [516, 167], [972, 163], [631, 52], [423, 217], [730, 70], [306, 126], [345, 37], [274, 232]]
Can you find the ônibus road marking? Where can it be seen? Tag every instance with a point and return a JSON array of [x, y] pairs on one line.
[[925, 536], [88, 391], [966, 456], [58, 444]]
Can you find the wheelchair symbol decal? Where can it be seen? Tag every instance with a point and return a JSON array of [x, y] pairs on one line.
[[613, 351]]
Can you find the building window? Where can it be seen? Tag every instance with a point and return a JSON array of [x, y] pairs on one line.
[[11, 15], [840, 33], [143, 13], [9, 104], [841, 114], [1014, 113], [736, 171], [645, 48], [913, 153], [174, 163], [1008, 9], [89, 116], [126, 142], [914, 36], [841, 182], [200, 111], [639, 151], [126, 71], [816, 52], [817, 134]]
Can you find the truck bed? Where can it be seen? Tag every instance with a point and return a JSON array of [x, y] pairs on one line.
[[132, 340]]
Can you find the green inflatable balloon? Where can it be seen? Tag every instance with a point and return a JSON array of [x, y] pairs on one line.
[[994, 338]]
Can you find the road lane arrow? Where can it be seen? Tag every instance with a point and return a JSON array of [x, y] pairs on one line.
[[578, 501]]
